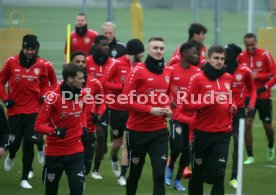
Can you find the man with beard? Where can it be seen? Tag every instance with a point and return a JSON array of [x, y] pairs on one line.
[[93, 109], [82, 38], [61, 118], [242, 80], [27, 79], [262, 67], [114, 80], [179, 124], [116, 48], [148, 82], [96, 66], [209, 94]]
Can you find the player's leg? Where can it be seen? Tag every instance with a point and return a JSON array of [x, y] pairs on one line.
[[89, 149], [124, 162]]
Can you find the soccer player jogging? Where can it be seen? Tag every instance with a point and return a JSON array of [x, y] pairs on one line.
[[113, 81], [96, 66], [179, 124], [242, 80], [209, 94], [93, 110], [82, 38], [27, 80], [263, 67], [196, 33], [147, 128], [61, 118]]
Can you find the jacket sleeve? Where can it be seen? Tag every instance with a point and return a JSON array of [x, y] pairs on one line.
[[108, 76], [250, 85], [51, 76], [5, 75], [101, 106], [44, 82], [270, 66], [270, 83], [130, 90], [192, 101], [43, 118]]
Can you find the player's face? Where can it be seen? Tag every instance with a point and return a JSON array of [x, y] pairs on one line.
[[77, 81], [192, 56], [201, 37], [79, 60], [81, 21], [216, 60], [156, 49], [29, 52], [250, 45], [109, 32], [103, 47]]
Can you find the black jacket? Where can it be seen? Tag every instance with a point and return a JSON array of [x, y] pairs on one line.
[[117, 49]]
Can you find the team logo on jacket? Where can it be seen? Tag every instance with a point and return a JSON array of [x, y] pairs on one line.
[[63, 115], [227, 86], [36, 71], [167, 79], [123, 78], [259, 64], [86, 40], [198, 161], [17, 77], [239, 77], [51, 176], [115, 132], [11, 138], [114, 53], [135, 160]]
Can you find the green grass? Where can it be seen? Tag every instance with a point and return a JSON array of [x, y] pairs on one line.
[[49, 24]]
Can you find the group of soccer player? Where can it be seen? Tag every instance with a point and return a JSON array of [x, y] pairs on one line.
[[208, 91]]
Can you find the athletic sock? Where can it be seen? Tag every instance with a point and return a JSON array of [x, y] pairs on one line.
[[123, 170], [97, 164], [249, 150], [114, 158]]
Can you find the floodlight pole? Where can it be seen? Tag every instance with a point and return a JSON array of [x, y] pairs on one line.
[[217, 21], [195, 8], [250, 16], [84, 6], [1, 13], [109, 10]]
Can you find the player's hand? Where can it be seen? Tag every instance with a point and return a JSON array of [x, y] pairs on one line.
[[95, 118], [173, 104], [60, 132], [261, 90], [168, 112], [233, 109], [2, 152], [9, 103], [254, 74], [157, 111]]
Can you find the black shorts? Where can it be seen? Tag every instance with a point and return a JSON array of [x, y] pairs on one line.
[[264, 107], [236, 119], [118, 121]]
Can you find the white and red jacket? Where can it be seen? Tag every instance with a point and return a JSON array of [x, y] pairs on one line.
[[210, 116], [52, 78], [25, 85], [243, 80], [142, 83], [59, 113], [180, 80], [177, 56], [81, 43], [115, 78], [262, 65], [96, 105]]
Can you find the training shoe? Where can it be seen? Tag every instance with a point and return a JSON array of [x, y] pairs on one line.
[[25, 184], [122, 181], [31, 175], [187, 172], [178, 186], [40, 157], [233, 183], [250, 160], [8, 164], [116, 168], [168, 176], [270, 154], [96, 175]]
